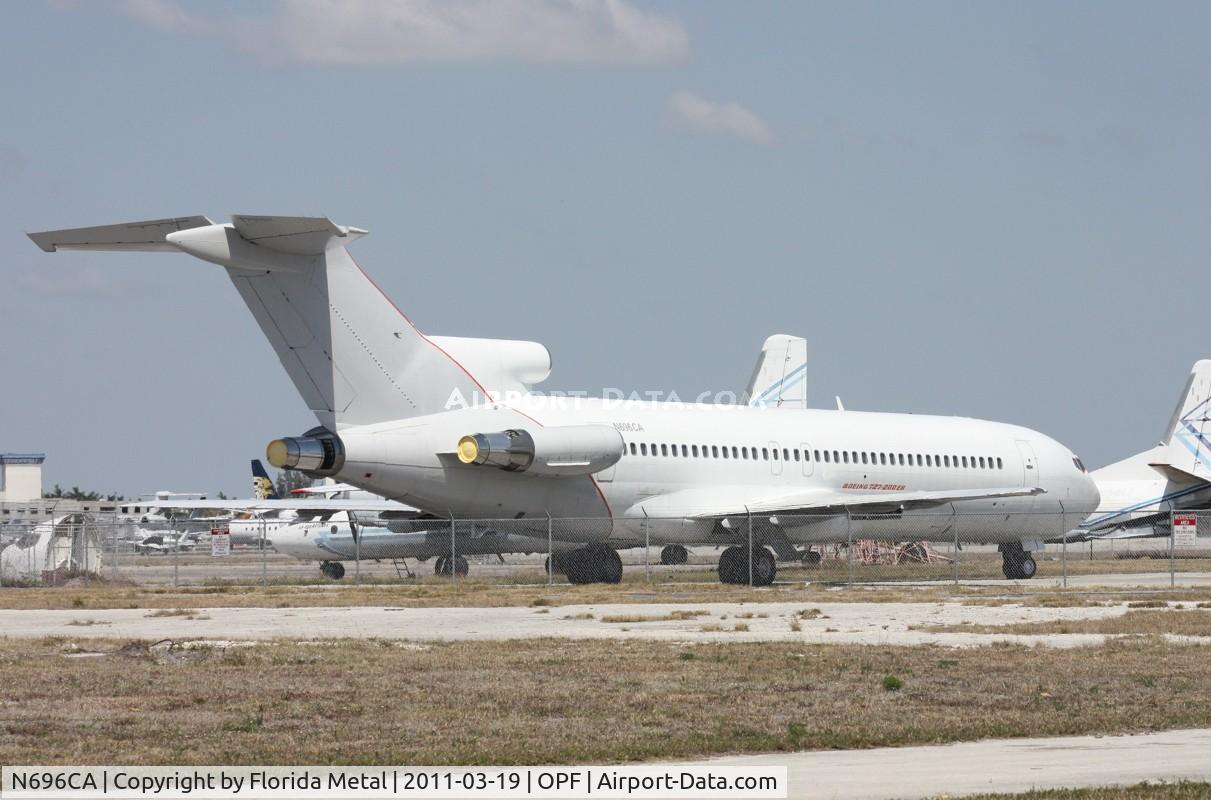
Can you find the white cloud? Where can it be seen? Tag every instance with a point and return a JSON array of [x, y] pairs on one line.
[[393, 31], [163, 15], [691, 112]]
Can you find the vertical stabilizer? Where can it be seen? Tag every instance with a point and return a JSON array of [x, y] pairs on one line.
[[1188, 438], [780, 378]]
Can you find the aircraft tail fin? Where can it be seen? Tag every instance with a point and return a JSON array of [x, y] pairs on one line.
[[779, 379], [352, 355], [1187, 441], [262, 487]]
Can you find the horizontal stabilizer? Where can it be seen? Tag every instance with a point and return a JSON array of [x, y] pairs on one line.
[[300, 236], [147, 235]]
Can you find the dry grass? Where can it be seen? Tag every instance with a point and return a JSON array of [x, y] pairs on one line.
[[1143, 791], [529, 701], [488, 594], [672, 616], [1149, 622]]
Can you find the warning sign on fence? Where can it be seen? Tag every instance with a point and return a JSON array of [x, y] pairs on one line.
[[220, 542], [1185, 530]]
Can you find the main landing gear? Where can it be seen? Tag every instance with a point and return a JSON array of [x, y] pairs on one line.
[[734, 566], [442, 566], [1016, 563], [673, 555], [594, 563], [332, 569]]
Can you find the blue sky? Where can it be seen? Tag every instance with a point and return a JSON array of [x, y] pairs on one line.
[[967, 208]]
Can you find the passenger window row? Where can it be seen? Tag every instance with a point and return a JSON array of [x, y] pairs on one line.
[[826, 456]]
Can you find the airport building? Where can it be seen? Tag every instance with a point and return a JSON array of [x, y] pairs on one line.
[[21, 499]]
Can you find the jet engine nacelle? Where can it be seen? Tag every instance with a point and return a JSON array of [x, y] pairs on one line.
[[559, 450], [319, 452]]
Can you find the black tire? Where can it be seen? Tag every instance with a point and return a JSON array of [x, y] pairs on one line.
[[338, 570], [733, 566], [673, 555], [441, 566], [812, 558], [1027, 568], [765, 567], [461, 567]]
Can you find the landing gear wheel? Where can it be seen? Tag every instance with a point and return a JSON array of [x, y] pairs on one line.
[[733, 567], [812, 558], [1017, 564], [333, 569], [546, 565], [765, 568], [594, 563], [442, 566], [674, 554]]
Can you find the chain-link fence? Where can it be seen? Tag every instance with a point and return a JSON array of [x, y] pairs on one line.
[[744, 550]]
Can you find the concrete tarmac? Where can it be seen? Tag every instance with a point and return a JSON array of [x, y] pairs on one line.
[[994, 765], [817, 623]]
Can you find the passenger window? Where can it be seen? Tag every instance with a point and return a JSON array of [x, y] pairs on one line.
[[725, 452], [714, 451], [786, 454], [900, 456], [864, 458], [632, 448], [964, 462], [816, 456], [946, 460], [928, 461], [744, 453], [796, 452], [845, 453], [836, 460], [981, 462], [664, 449], [765, 454], [1001, 465], [775, 454], [735, 452], [826, 458], [695, 449], [883, 458], [643, 448], [685, 451]]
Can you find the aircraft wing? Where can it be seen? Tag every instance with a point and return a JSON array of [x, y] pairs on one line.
[[309, 504], [708, 504]]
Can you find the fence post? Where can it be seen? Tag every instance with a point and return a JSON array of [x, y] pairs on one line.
[[453, 552], [264, 562], [749, 515], [176, 549], [849, 545], [954, 528], [1064, 543], [1172, 567], [550, 551], [647, 548]]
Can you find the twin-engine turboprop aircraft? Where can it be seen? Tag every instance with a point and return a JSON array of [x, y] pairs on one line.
[[449, 425]]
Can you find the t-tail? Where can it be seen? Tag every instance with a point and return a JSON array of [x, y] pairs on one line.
[[352, 355], [1186, 447], [262, 487]]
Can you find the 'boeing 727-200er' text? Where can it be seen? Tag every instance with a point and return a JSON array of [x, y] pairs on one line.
[[449, 425]]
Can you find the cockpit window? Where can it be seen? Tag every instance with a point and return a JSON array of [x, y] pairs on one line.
[[1079, 464]]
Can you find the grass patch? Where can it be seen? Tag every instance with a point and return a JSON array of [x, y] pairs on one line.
[[1143, 622], [1143, 791], [672, 616], [526, 702]]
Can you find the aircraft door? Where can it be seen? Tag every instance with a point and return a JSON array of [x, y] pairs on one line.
[[775, 461], [1030, 464], [808, 464]]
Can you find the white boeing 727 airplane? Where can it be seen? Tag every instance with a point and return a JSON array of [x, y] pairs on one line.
[[449, 425]]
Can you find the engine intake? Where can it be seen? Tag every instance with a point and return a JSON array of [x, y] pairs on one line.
[[319, 451], [560, 450]]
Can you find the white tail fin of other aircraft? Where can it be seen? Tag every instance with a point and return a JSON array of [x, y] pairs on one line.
[[1186, 446], [780, 378], [353, 356]]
